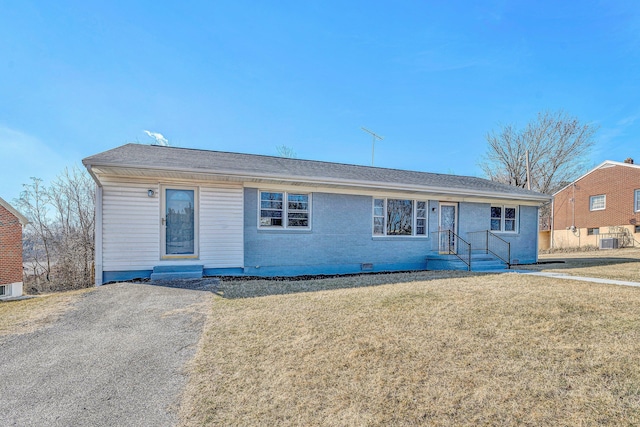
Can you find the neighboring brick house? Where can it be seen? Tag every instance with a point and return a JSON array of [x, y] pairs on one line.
[[603, 203], [11, 223]]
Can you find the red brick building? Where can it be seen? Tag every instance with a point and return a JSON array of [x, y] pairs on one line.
[[11, 223], [602, 204]]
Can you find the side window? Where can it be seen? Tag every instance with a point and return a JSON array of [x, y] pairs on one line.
[[597, 203], [271, 207], [284, 210], [504, 219]]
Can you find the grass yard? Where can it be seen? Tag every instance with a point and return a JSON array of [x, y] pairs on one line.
[[418, 349], [17, 317], [617, 264]]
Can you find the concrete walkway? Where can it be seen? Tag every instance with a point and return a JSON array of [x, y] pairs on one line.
[[115, 358], [579, 278]]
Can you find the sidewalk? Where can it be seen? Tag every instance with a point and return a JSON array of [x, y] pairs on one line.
[[579, 278]]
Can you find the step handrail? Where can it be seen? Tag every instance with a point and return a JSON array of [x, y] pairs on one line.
[[454, 249], [504, 242]]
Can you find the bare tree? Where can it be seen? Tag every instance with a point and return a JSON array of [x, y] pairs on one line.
[[34, 204], [72, 196], [557, 145], [285, 151], [59, 241]]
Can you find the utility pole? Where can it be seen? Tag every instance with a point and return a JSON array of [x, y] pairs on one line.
[[528, 172], [373, 142]]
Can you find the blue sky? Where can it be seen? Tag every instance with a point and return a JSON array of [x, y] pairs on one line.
[[81, 77]]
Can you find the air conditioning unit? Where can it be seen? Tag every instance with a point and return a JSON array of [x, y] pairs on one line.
[[609, 243]]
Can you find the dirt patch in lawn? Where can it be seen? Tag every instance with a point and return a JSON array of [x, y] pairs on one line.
[[23, 316], [236, 287], [475, 350]]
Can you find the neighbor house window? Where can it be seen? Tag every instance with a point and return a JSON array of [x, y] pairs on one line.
[[279, 209], [399, 217], [636, 229], [597, 203], [504, 219], [593, 231], [636, 200], [4, 290]]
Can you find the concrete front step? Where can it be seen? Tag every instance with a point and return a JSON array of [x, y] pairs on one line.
[[174, 272], [479, 262]]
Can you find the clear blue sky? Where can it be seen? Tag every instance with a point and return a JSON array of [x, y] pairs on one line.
[[432, 77]]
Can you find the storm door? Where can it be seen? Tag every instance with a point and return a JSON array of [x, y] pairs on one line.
[[447, 227], [179, 223]]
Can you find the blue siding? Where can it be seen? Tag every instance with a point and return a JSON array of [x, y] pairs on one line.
[[524, 244], [339, 241]]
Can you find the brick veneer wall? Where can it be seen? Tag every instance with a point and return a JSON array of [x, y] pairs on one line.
[[616, 182], [10, 248]]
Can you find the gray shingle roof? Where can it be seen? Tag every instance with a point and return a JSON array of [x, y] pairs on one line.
[[205, 161]]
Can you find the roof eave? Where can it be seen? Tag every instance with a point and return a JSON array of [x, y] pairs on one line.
[[330, 181]]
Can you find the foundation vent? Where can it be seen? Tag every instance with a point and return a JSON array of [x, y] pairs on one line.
[[367, 266]]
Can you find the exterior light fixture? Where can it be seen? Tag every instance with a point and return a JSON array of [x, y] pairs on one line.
[[151, 193]]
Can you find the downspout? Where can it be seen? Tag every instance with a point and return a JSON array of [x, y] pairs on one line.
[[98, 229], [98, 237], [553, 216]]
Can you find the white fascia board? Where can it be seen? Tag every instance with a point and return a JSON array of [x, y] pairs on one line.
[[341, 182]]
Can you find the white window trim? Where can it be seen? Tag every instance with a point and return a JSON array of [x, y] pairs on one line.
[[414, 219], [285, 210], [503, 219], [196, 222], [604, 202], [636, 200]]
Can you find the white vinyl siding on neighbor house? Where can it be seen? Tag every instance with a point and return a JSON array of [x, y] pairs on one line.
[[597, 203], [131, 226], [504, 219], [399, 217]]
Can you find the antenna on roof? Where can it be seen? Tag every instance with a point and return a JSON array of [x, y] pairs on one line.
[[158, 137], [373, 143]]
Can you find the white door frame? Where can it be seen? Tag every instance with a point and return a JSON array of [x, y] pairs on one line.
[[163, 222], [455, 225]]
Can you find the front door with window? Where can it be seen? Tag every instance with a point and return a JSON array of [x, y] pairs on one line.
[[179, 223], [447, 224]]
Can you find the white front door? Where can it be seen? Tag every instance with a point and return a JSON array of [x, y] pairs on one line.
[[448, 218]]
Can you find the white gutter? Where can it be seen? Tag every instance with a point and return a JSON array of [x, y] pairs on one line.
[[325, 180]]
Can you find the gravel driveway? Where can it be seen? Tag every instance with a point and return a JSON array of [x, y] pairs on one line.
[[116, 358]]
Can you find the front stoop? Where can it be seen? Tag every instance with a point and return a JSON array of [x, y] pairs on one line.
[[479, 262], [173, 272]]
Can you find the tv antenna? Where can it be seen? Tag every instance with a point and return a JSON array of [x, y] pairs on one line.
[[373, 142]]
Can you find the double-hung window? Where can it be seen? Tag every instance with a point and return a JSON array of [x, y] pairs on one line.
[[636, 201], [504, 219], [280, 209], [597, 203], [399, 217]]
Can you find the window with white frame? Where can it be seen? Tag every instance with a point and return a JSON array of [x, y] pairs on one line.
[[399, 217], [504, 219], [280, 209], [597, 203], [636, 201]]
